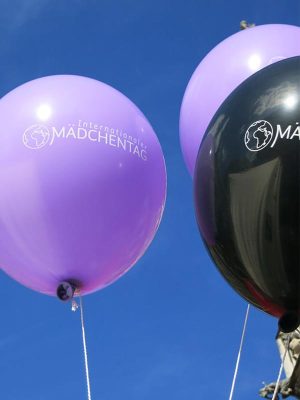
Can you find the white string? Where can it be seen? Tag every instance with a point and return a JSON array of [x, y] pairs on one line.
[[239, 354], [281, 368], [85, 351]]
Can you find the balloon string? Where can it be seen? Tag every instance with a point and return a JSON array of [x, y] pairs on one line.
[[281, 368], [239, 353], [85, 350]]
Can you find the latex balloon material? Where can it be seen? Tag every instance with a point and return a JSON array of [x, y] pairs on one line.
[[65, 291], [83, 184], [289, 322], [247, 188], [222, 70]]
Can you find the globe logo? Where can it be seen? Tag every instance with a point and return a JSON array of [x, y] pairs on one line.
[[36, 136], [258, 135]]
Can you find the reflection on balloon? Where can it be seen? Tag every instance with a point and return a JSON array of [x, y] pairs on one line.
[[248, 205], [222, 70], [83, 184]]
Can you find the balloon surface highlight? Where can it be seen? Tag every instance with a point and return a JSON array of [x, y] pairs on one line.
[[222, 70], [247, 189], [83, 184]]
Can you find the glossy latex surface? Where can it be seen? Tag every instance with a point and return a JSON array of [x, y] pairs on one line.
[[247, 188], [222, 70], [83, 183]]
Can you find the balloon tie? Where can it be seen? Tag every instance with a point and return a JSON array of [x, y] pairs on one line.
[[281, 367], [245, 25], [239, 353], [75, 306]]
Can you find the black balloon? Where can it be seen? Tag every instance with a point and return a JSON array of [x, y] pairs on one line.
[[247, 189]]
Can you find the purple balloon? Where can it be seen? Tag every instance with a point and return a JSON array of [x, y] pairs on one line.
[[222, 70], [83, 183]]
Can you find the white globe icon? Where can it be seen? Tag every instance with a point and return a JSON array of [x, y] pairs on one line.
[[36, 136], [258, 135]]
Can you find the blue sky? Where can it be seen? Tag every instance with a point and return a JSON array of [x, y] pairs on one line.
[[170, 328]]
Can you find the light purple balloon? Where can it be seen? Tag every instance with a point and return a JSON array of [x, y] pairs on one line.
[[222, 70], [83, 183]]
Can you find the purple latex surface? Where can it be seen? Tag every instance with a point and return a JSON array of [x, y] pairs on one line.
[[222, 70], [83, 183]]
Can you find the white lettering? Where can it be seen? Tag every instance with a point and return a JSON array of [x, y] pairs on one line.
[[82, 130], [105, 137], [57, 134], [136, 151], [112, 140], [115, 137], [123, 144], [144, 155], [130, 146], [281, 134], [90, 132], [296, 133], [71, 133]]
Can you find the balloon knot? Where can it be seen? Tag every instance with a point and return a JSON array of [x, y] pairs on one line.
[[245, 25], [75, 305]]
